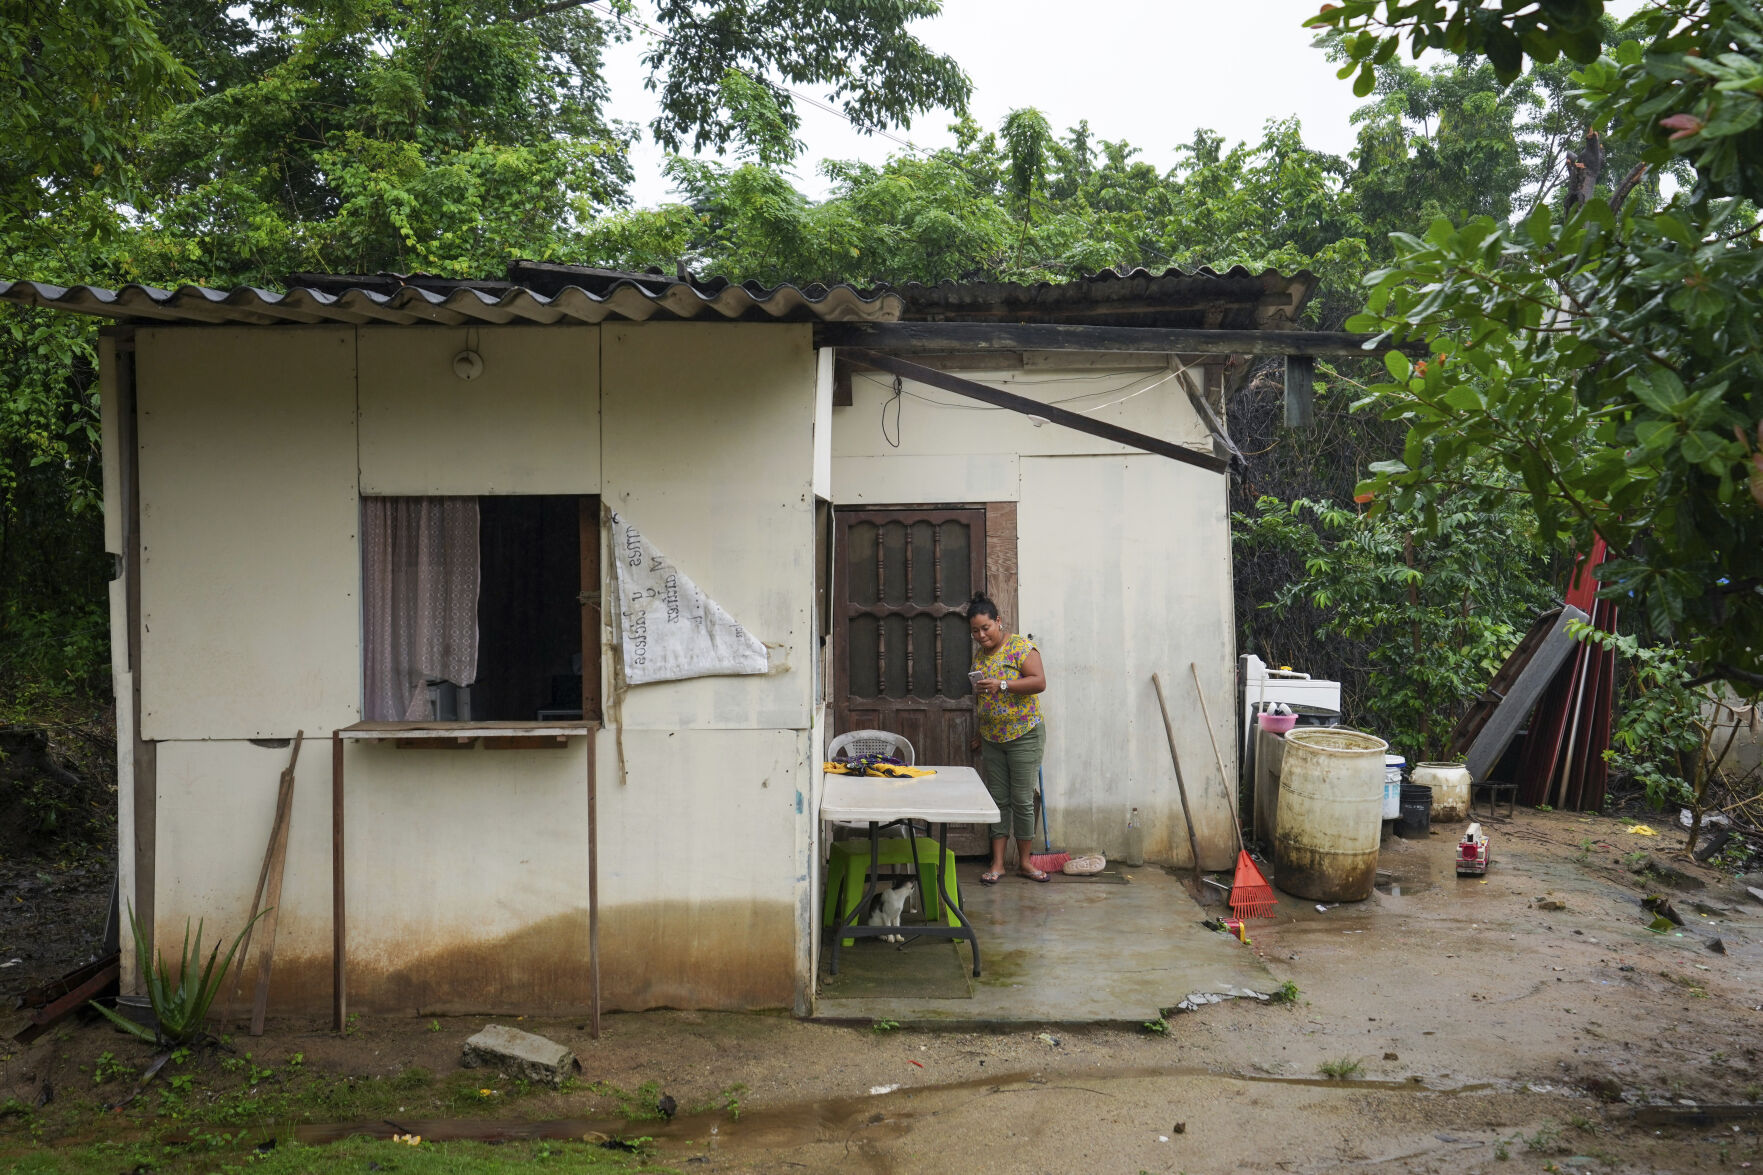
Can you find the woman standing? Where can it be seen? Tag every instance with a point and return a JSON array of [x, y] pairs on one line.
[[1012, 738]]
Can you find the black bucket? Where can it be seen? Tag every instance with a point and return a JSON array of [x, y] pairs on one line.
[[1416, 818]]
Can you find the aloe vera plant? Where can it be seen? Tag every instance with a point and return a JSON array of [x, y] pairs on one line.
[[181, 1009]]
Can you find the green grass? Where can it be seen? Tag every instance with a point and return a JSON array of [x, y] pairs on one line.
[[356, 1155], [727, 1099], [642, 1104], [1287, 994], [1339, 1070], [1546, 1140]]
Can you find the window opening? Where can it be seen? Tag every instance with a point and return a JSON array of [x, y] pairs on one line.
[[480, 609]]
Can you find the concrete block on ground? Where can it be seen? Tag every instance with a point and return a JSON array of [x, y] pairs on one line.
[[520, 1054]]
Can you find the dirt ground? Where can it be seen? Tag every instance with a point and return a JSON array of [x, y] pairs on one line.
[[1477, 1028]]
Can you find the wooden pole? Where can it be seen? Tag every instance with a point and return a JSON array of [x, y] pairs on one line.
[[1300, 391], [593, 892], [1223, 775], [1077, 421], [284, 797], [278, 866], [1186, 812], [339, 992]]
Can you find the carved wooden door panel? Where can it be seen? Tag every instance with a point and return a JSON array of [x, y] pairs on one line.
[[901, 648]]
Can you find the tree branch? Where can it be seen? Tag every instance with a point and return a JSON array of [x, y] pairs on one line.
[[1720, 671], [1628, 185], [551, 9]]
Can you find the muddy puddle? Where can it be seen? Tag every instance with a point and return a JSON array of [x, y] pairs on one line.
[[1411, 881], [885, 1112]]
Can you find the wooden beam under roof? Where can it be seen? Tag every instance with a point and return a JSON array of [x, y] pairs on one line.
[[907, 338], [1053, 414]]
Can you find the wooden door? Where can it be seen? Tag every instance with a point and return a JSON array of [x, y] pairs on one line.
[[901, 648]]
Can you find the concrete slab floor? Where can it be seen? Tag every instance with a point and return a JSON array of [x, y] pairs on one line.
[[1072, 951]]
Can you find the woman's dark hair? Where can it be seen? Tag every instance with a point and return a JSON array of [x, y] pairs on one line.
[[981, 605]]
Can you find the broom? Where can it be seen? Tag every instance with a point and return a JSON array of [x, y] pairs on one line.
[[1049, 861], [1250, 895]]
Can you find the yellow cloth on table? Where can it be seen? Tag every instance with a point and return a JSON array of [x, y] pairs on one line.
[[892, 770]]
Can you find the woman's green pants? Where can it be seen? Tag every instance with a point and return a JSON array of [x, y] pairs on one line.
[[1011, 771]]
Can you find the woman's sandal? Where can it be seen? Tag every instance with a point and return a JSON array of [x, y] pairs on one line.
[[989, 878], [1033, 874]]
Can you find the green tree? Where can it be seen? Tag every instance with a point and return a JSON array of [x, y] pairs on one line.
[[451, 135], [1431, 611], [82, 80], [1029, 140], [200, 141], [1610, 358]]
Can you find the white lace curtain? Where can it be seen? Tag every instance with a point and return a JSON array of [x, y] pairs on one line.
[[419, 572]]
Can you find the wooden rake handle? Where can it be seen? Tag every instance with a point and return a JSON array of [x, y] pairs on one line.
[[1223, 775], [1186, 813]]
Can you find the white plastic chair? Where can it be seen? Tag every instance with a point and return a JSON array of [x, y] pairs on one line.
[[872, 742], [869, 742]]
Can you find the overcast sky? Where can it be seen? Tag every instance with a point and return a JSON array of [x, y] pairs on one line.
[[1148, 71]]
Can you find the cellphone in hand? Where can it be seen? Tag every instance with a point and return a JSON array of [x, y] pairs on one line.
[[974, 676]]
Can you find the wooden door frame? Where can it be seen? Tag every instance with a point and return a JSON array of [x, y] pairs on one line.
[[591, 598]]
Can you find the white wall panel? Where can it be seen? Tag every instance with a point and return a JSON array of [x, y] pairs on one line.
[[931, 421], [823, 423], [708, 815], [1125, 571], [528, 425], [709, 443], [216, 804], [250, 570], [948, 478], [482, 856]]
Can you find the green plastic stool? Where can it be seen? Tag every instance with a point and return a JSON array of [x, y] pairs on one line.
[[848, 866]]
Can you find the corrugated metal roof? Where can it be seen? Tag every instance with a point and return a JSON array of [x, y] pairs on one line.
[[461, 303], [536, 292]]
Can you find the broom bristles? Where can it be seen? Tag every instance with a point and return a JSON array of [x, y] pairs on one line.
[[1250, 895], [1048, 862]]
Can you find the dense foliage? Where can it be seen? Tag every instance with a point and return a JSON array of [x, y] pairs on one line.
[[1426, 614], [1598, 361], [200, 141], [1608, 355]]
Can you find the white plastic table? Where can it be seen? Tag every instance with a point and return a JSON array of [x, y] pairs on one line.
[[954, 795]]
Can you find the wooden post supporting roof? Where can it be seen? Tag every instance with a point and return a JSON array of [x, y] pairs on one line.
[[1300, 391], [931, 377]]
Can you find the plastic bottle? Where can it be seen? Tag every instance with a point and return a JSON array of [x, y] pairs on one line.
[[1135, 841]]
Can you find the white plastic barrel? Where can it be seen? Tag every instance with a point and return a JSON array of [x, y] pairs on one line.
[[1330, 814], [1450, 790], [1392, 786]]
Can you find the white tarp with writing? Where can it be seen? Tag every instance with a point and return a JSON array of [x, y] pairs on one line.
[[668, 628]]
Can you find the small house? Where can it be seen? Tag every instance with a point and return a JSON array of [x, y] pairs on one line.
[[449, 533]]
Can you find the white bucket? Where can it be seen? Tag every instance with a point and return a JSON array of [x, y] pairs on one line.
[[1450, 790], [1392, 786]]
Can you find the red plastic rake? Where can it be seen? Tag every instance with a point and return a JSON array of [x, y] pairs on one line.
[[1250, 895]]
